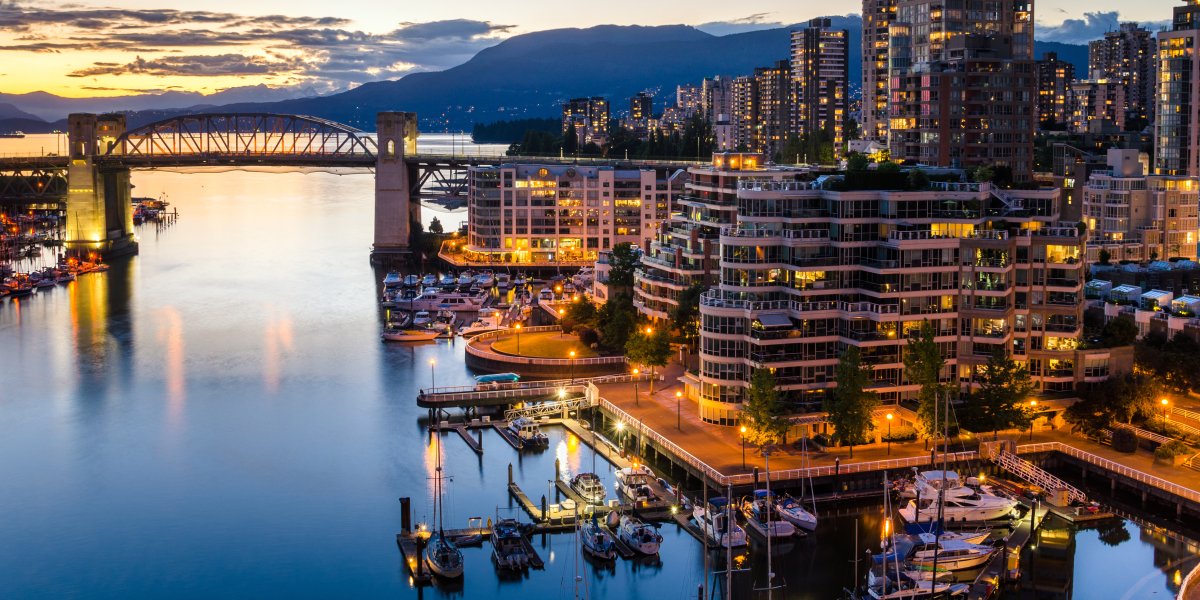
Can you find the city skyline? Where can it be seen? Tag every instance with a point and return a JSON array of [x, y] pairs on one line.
[[136, 46]]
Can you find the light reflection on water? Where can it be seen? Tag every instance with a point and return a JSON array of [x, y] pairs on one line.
[[218, 417]]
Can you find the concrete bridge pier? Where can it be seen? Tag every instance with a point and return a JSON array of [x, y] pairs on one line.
[[99, 213], [394, 209]]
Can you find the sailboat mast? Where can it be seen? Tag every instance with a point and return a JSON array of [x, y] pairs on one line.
[[767, 512], [728, 547]]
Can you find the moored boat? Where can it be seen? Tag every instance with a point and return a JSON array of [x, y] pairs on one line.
[[508, 546], [409, 335], [793, 512], [639, 535], [589, 487], [528, 432], [761, 519], [715, 520], [634, 483], [596, 541]]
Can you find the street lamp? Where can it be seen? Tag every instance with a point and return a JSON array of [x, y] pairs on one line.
[[889, 440], [518, 328], [621, 435], [1032, 407], [743, 447], [1164, 413], [572, 355], [678, 410], [432, 375], [635, 388]]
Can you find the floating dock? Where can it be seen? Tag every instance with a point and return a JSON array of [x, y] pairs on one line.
[[474, 443]]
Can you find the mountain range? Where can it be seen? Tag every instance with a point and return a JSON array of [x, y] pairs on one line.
[[527, 75]]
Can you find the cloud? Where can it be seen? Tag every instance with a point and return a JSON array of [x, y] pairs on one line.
[[1092, 26], [319, 51], [752, 22], [195, 66]]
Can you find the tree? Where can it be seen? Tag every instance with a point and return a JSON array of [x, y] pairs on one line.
[[1104, 256], [1118, 332], [435, 226], [621, 264], [650, 349], [857, 162], [762, 413], [1118, 400], [917, 179], [887, 166], [579, 314], [685, 317], [923, 365], [983, 174], [1003, 387], [850, 404], [617, 320]]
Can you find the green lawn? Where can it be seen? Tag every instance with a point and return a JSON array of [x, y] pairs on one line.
[[549, 344]]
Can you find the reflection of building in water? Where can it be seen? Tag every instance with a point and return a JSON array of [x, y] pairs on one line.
[[1050, 563], [1174, 554]]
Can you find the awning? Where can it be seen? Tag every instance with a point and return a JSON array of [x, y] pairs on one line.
[[774, 320]]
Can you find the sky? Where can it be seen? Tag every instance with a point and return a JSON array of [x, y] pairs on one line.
[[118, 47]]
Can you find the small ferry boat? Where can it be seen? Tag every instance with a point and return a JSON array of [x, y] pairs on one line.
[[13, 134], [528, 433], [793, 512], [589, 487], [716, 522], [761, 519], [639, 535], [409, 335], [508, 546], [634, 483], [596, 541]]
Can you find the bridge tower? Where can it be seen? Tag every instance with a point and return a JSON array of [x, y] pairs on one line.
[[99, 215], [394, 209]]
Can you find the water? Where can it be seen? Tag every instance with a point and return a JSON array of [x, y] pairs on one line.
[[217, 417]]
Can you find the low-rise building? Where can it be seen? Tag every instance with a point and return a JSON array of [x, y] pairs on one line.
[[545, 215]]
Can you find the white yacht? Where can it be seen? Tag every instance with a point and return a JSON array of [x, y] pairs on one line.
[[485, 280], [435, 300], [489, 320], [948, 554], [634, 483], [716, 522], [589, 487], [639, 535], [885, 587], [975, 508], [546, 295]]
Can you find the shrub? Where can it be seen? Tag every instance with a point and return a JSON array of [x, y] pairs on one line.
[[1172, 449], [1124, 440]]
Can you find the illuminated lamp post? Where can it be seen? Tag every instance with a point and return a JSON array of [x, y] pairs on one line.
[[679, 410], [889, 438]]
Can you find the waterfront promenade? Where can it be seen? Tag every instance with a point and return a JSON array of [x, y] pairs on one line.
[[721, 447]]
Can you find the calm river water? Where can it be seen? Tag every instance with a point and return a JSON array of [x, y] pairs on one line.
[[217, 417]]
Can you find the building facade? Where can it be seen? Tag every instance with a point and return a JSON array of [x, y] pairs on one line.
[[1097, 105], [1176, 124], [1054, 88], [800, 270], [820, 57], [716, 98], [877, 17], [1137, 217], [554, 214], [963, 84], [1127, 55], [588, 118]]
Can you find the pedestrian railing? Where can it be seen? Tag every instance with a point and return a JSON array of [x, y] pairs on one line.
[[1113, 466], [1143, 434]]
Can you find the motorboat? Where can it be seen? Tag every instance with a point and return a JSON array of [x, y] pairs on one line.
[[485, 280], [715, 520], [429, 280], [932, 480], [892, 586], [639, 535], [975, 508], [520, 281], [568, 288], [927, 550], [761, 518], [411, 281], [422, 318], [392, 280], [489, 320], [409, 335], [444, 320], [546, 295], [447, 281], [508, 546], [790, 510], [596, 541], [435, 300], [466, 278], [634, 483], [503, 281], [528, 432], [589, 487]]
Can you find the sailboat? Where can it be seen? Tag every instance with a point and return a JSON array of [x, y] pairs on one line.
[[771, 586], [441, 555]]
